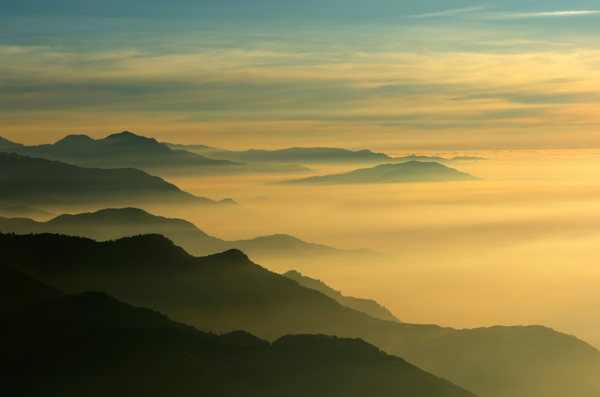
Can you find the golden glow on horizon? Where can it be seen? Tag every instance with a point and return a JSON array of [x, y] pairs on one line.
[[238, 99]]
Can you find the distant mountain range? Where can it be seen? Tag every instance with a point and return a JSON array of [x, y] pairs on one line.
[[35, 181], [368, 306], [90, 344], [125, 150], [22, 211], [110, 224], [311, 155], [226, 292], [412, 171]]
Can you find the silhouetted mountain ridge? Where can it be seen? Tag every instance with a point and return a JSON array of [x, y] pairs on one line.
[[22, 211], [114, 223], [28, 180], [128, 150], [211, 294], [412, 171], [18, 290], [6, 144], [308, 155], [368, 306], [91, 344]]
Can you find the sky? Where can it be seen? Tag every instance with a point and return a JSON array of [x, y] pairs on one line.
[[379, 74]]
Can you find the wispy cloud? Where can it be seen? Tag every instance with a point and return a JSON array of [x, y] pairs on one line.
[[524, 15], [458, 11], [521, 42], [475, 13]]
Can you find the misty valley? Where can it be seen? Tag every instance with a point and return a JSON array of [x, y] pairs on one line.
[[131, 267]]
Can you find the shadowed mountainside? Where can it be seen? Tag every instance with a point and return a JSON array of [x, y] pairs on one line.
[[6, 144], [310, 155], [35, 181], [412, 171], [91, 344], [226, 292], [18, 291], [368, 306], [111, 224], [127, 150]]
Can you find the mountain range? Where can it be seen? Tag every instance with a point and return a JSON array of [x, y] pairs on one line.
[[128, 150], [412, 171], [91, 344], [368, 306], [23, 211], [114, 223], [309, 155], [6, 144], [226, 292], [35, 181]]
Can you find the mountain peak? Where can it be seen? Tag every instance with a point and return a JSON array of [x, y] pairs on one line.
[[74, 140], [230, 257], [124, 134], [127, 137], [6, 144]]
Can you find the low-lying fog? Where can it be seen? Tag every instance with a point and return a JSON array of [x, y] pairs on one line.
[[521, 246]]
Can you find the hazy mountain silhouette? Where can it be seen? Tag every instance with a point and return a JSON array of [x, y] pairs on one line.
[[22, 211], [412, 171], [368, 306], [226, 292], [90, 344], [110, 224], [294, 155], [310, 155], [27, 180], [6, 144], [128, 150]]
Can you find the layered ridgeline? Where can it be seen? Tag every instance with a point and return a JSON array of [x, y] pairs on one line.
[[226, 292], [23, 211], [90, 344], [5, 144], [36, 181], [111, 224], [368, 306], [310, 155], [130, 150], [412, 171]]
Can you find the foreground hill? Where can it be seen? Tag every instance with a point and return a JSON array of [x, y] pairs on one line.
[[111, 224], [412, 171], [309, 155], [35, 181], [226, 292], [368, 306], [90, 344], [127, 150]]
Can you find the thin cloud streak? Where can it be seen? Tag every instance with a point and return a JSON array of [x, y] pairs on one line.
[[458, 11], [524, 15], [510, 43], [472, 13]]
